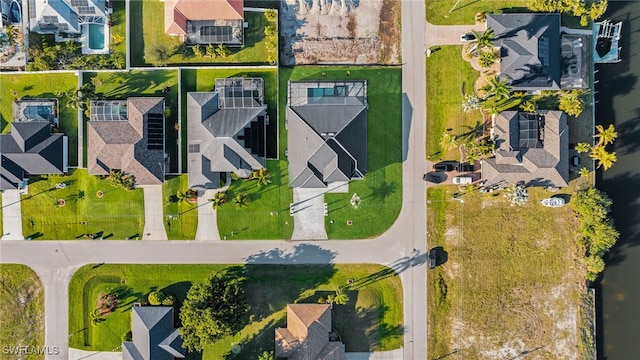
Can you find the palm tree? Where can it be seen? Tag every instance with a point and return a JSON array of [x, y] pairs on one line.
[[448, 142], [582, 147], [241, 200], [499, 88], [182, 196], [218, 199], [603, 157], [606, 136], [584, 172], [339, 298], [517, 194], [263, 176], [483, 39]]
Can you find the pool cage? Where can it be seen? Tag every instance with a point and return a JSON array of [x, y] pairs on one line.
[[240, 92], [36, 110], [108, 110], [327, 92]]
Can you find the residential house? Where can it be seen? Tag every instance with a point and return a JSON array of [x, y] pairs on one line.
[[534, 55], [307, 335], [31, 148], [327, 132], [205, 21], [83, 20], [153, 335], [530, 148], [127, 135], [226, 131]]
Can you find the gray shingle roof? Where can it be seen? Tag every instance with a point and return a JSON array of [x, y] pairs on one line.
[[153, 334], [327, 135], [530, 49], [541, 166], [226, 131], [30, 148]]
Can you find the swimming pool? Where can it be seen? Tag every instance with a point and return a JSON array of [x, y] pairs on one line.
[[96, 36], [38, 112]]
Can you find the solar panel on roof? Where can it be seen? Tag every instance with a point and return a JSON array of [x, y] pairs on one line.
[[155, 133], [86, 10], [79, 3], [216, 34]]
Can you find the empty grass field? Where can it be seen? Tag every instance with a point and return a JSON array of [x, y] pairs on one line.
[[24, 86], [443, 12], [181, 218], [117, 214], [372, 319], [510, 280], [22, 311], [381, 189]]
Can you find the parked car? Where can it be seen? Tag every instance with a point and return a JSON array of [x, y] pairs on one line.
[[466, 167], [462, 180], [432, 258], [445, 166], [467, 37], [434, 177]]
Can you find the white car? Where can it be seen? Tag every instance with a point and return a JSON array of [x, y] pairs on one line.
[[462, 180]]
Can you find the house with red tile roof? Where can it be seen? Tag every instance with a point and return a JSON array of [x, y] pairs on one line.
[[205, 21]]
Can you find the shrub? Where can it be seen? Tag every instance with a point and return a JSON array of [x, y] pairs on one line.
[[156, 297], [169, 300], [126, 336]]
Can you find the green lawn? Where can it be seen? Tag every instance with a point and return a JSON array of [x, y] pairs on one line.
[[183, 217], [119, 26], [266, 216], [511, 276], [150, 31], [22, 310], [42, 86], [381, 190], [120, 85], [465, 11], [372, 320], [449, 78], [116, 215]]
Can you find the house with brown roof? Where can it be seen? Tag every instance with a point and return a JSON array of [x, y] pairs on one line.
[[306, 336], [127, 135], [531, 148], [205, 21]]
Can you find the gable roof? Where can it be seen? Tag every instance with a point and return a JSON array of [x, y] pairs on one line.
[[529, 49], [119, 141], [178, 12], [226, 131], [307, 334], [153, 335], [30, 148], [327, 132], [541, 160]]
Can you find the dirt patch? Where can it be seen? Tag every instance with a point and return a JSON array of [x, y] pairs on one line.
[[340, 32]]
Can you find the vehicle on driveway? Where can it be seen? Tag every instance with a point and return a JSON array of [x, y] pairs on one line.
[[467, 37], [445, 166], [432, 258], [466, 167], [434, 177], [462, 180]]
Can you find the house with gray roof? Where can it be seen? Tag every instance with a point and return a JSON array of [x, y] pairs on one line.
[[307, 335], [30, 148], [327, 132], [127, 135], [532, 148], [226, 131], [153, 335], [534, 55]]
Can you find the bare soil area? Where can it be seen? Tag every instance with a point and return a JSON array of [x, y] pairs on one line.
[[340, 32]]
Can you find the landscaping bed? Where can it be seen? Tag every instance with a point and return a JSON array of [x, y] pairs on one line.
[[117, 214], [511, 282], [22, 310], [181, 217], [371, 320]]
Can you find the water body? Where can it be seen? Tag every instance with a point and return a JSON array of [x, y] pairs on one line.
[[619, 102]]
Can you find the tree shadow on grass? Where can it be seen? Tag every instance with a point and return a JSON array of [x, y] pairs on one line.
[[252, 347], [383, 190]]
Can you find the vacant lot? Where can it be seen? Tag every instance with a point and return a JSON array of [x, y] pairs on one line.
[[22, 310], [511, 282], [117, 214], [340, 32], [372, 320], [443, 12]]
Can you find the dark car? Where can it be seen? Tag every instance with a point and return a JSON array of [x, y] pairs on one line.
[[445, 166], [434, 177], [466, 167], [432, 258], [467, 37]]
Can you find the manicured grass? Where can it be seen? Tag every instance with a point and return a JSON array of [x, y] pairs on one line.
[[42, 86], [512, 280], [184, 216], [204, 80], [381, 190], [449, 78], [150, 31], [465, 11], [121, 85], [116, 215], [266, 216], [372, 320], [119, 26], [22, 310]]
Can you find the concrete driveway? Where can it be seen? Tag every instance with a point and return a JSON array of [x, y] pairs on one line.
[[77, 354], [11, 216], [308, 214], [207, 218], [449, 34], [153, 216]]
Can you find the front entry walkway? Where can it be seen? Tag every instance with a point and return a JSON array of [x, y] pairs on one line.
[[308, 214], [11, 215], [207, 218], [153, 216]]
